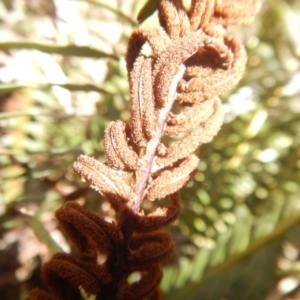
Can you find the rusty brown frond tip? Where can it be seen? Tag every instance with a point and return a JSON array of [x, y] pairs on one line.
[[193, 61]]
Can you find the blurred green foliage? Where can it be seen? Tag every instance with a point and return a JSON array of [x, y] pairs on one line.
[[238, 236]]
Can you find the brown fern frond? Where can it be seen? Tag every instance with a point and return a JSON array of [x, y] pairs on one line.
[[193, 61]]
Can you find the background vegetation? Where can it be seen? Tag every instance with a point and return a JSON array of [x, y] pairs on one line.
[[63, 79]]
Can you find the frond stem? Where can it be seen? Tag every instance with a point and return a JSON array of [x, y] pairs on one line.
[[143, 174]]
